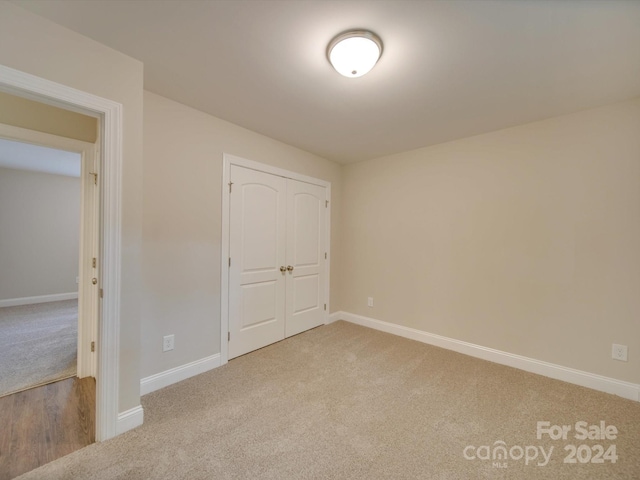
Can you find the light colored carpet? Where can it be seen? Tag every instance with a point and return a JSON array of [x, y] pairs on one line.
[[347, 402], [38, 344]]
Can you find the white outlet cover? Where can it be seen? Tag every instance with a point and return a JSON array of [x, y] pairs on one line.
[[370, 301], [167, 343], [619, 352]]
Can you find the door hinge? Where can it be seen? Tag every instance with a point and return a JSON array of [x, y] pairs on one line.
[[94, 262], [325, 255], [228, 336], [230, 183], [95, 178], [229, 261], [101, 293], [326, 204], [325, 306], [93, 346]]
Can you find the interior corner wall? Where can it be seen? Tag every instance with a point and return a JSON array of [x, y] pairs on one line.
[[182, 223], [524, 240], [39, 233], [34, 45]]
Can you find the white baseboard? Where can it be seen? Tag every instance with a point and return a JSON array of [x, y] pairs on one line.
[[558, 372], [177, 374], [130, 419], [14, 302]]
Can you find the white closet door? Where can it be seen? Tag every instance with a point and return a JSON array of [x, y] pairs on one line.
[[306, 210], [257, 249]]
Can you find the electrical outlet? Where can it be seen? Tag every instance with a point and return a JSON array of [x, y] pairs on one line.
[[619, 352], [369, 301], [167, 343], [77, 279]]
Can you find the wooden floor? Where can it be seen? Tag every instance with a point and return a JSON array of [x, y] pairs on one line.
[[45, 423]]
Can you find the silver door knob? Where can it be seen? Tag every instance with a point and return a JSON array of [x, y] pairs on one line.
[[283, 269], [290, 268]]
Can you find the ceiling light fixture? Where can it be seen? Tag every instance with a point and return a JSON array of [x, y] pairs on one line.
[[355, 52]]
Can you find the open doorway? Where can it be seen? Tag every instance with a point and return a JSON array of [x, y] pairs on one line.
[[110, 421], [49, 243], [39, 254]]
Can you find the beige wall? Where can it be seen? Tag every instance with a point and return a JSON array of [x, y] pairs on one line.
[[182, 223], [24, 113], [526, 240], [39, 233], [34, 45]]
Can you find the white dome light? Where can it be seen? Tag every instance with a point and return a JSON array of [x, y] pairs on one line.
[[354, 53]]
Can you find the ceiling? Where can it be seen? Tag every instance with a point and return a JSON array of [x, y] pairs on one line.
[[450, 69], [25, 156]]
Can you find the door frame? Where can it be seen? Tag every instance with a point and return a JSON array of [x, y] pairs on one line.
[[229, 160], [88, 235], [109, 114]]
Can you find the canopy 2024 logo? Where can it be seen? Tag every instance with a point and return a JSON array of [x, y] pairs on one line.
[[499, 453], [583, 453]]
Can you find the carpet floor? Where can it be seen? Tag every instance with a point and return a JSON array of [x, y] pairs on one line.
[[38, 344], [346, 402]]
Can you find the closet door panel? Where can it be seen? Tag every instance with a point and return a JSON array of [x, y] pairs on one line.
[[257, 245], [306, 210]]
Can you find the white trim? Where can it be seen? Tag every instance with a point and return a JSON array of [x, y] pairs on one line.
[[558, 372], [281, 172], [327, 242], [229, 160], [30, 86], [174, 375], [56, 297], [130, 419], [335, 316], [224, 263]]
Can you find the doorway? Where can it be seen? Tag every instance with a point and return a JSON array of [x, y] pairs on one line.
[[48, 302], [48, 217], [275, 264], [109, 422]]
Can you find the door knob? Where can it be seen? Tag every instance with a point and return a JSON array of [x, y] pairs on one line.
[[290, 268], [283, 269], [94, 280]]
